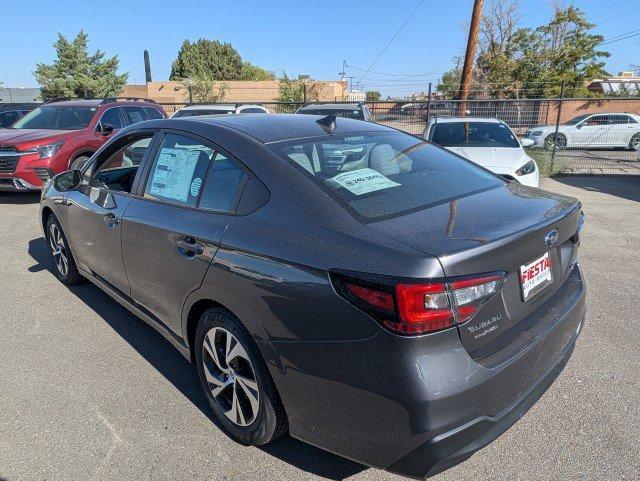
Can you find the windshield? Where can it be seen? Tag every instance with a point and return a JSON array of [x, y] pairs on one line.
[[354, 113], [577, 120], [56, 117], [382, 175], [473, 134], [198, 112]]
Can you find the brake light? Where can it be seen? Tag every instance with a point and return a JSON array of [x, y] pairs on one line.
[[382, 300], [423, 308]]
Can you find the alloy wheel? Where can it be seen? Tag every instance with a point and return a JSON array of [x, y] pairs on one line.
[[58, 249], [230, 376]]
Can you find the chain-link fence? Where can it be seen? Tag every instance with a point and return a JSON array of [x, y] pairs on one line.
[[571, 136]]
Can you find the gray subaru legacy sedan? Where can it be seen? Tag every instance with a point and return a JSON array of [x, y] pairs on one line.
[[357, 287]]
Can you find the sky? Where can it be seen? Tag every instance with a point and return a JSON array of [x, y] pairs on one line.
[[297, 36]]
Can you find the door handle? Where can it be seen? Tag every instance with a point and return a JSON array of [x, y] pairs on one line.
[[111, 220], [189, 248]]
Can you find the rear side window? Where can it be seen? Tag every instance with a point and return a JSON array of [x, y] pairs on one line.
[[382, 175], [222, 184], [179, 170], [153, 113], [134, 114]]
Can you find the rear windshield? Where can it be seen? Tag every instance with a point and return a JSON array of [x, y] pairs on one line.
[[198, 112], [473, 134], [52, 117], [354, 113], [381, 175]]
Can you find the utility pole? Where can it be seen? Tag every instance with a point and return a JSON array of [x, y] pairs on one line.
[[467, 69]]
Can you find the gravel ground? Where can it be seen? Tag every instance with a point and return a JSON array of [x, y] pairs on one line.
[[88, 391]]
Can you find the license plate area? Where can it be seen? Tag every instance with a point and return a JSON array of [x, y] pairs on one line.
[[535, 276]]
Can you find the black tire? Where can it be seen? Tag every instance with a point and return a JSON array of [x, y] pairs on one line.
[[64, 265], [634, 142], [78, 163], [270, 421], [561, 142]]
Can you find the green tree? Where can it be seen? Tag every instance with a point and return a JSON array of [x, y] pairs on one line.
[[250, 71], [373, 95], [75, 73], [207, 59], [449, 83]]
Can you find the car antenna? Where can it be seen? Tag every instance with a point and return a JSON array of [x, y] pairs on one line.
[[328, 123]]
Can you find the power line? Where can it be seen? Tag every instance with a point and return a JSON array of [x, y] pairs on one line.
[[392, 39], [615, 39], [619, 14]]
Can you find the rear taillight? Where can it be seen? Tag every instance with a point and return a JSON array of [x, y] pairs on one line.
[[427, 307]]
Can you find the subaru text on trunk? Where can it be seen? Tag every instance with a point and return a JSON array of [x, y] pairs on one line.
[[367, 291]]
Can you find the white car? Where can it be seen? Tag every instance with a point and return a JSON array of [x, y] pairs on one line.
[[219, 109], [486, 142], [590, 130]]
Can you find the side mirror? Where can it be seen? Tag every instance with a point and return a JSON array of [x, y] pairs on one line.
[[67, 181], [527, 142], [106, 129]]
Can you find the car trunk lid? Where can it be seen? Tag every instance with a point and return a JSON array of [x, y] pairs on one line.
[[498, 230]]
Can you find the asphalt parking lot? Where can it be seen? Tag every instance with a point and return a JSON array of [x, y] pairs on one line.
[[88, 391]]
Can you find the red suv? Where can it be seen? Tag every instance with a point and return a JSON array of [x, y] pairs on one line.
[[58, 136]]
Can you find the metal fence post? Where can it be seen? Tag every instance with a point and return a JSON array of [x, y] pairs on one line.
[[428, 104], [555, 135], [304, 92]]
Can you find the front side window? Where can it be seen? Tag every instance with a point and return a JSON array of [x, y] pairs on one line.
[[473, 134], [134, 114], [112, 117], [577, 120], [56, 117], [116, 169], [381, 175], [598, 120], [8, 118], [179, 170]]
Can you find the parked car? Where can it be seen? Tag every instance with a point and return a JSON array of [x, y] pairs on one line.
[[58, 136], [219, 109], [11, 113], [402, 308], [486, 142], [357, 111], [619, 130]]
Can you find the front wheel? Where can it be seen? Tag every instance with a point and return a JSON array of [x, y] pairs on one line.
[[65, 265], [635, 142], [79, 163], [558, 141], [236, 381]]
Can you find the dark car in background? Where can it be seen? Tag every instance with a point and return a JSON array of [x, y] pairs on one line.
[[11, 113], [367, 291], [357, 111], [57, 136]]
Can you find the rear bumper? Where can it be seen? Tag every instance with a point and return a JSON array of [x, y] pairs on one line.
[[457, 445], [416, 406]]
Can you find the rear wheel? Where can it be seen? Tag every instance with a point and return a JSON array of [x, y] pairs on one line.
[[635, 142], [559, 140], [236, 381], [65, 265]]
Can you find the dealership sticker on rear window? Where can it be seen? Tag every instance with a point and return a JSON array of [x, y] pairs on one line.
[[195, 186], [363, 181]]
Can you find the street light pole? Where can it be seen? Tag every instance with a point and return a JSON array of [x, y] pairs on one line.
[[467, 69]]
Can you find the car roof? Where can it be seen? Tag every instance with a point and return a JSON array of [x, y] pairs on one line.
[[99, 102], [451, 120], [210, 107], [278, 127], [330, 106]]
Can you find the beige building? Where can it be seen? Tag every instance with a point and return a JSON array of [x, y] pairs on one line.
[[173, 92]]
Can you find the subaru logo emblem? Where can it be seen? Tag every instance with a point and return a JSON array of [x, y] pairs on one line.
[[551, 238]]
